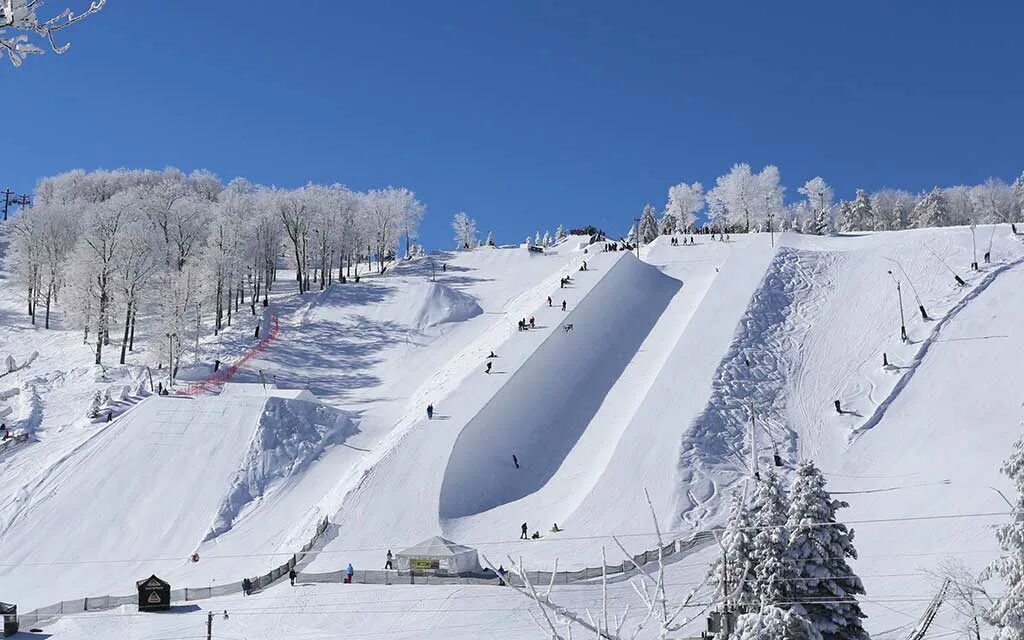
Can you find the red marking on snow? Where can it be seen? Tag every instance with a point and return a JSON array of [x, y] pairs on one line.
[[215, 381]]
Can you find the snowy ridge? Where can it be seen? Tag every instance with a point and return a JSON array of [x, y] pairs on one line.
[[291, 435]]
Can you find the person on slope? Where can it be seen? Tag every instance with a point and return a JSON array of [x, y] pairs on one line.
[[535, 536], [515, 460], [549, 301], [563, 305], [488, 369], [492, 355], [291, 576], [524, 529], [349, 572], [533, 323], [430, 412], [555, 529], [389, 564]]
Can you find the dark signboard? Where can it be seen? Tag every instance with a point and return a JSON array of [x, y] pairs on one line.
[[154, 594], [10, 614]]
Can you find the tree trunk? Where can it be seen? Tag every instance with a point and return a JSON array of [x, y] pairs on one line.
[[131, 338], [230, 296], [49, 296], [127, 329]]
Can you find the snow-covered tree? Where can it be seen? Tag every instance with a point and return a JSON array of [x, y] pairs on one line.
[[994, 202], [818, 194], [684, 201], [961, 207], [546, 240], [773, 568], [931, 210], [559, 234], [891, 207], [774, 623], [21, 27], [861, 213], [465, 231], [668, 224], [844, 217], [1007, 615], [733, 569], [648, 225], [536, 239], [490, 238], [1018, 191], [737, 193], [825, 589]]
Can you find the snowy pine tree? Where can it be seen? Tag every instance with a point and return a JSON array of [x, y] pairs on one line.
[[774, 571], [546, 240], [844, 219], [668, 225], [95, 405], [861, 212], [559, 234], [1007, 615], [648, 225], [736, 564], [825, 589], [490, 238], [774, 623], [931, 210], [536, 239]]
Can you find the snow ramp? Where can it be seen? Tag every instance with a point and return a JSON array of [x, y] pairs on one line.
[[546, 405]]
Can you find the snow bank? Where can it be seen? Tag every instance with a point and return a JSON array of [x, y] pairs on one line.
[[540, 413], [290, 436], [441, 304]]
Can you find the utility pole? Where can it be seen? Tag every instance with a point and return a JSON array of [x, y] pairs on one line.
[[636, 236], [209, 626], [974, 245], [10, 198], [771, 216], [899, 295]]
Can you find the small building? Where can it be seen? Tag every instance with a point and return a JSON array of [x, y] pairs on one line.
[[154, 594], [10, 614], [438, 556]]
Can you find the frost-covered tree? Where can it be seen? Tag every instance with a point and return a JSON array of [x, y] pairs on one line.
[[465, 231], [747, 197], [536, 239], [668, 224], [825, 589], [861, 212], [994, 202], [818, 194], [931, 210], [648, 225], [546, 240], [774, 623], [1007, 615], [490, 238], [773, 567], [891, 207], [844, 217], [961, 207], [1018, 192], [684, 201], [21, 27], [559, 234], [732, 569]]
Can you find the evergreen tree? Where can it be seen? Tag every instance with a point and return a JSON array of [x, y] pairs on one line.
[[861, 212], [737, 564], [559, 234], [1018, 191], [845, 220], [774, 623], [819, 224], [774, 571], [931, 210], [546, 240], [648, 225], [1008, 613], [490, 238], [536, 239], [825, 589], [668, 225]]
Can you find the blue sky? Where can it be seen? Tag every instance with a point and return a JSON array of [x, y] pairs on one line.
[[528, 114]]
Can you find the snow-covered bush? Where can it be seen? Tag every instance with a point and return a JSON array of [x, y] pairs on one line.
[[1007, 615], [774, 623]]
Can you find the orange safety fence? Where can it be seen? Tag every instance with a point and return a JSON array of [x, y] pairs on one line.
[[215, 381]]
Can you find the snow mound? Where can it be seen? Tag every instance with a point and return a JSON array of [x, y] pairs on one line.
[[290, 436], [441, 304]]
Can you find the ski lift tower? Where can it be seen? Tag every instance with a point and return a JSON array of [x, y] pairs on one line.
[[10, 198]]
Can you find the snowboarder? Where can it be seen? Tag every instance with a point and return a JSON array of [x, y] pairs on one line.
[[246, 586], [291, 576], [555, 529], [501, 575], [549, 301], [988, 257], [488, 369], [533, 324], [561, 283], [568, 327], [388, 564], [515, 460], [444, 266], [563, 305], [524, 529], [536, 535], [110, 415], [430, 412], [492, 355], [349, 571], [584, 265]]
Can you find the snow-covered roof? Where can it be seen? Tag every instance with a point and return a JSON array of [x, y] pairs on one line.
[[436, 547]]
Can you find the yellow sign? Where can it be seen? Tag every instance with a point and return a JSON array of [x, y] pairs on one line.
[[423, 564]]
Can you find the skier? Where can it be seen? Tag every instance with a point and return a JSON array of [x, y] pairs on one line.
[[549, 301], [515, 460], [488, 369], [524, 529], [563, 305], [291, 576], [444, 266], [388, 564], [430, 412], [349, 571]]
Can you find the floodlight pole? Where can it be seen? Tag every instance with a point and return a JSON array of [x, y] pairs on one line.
[[974, 245], [920, 305], [636, 236], [899, 295]]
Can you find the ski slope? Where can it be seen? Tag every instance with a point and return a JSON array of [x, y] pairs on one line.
[[650, 390]]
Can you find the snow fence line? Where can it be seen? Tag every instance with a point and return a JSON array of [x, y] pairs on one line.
[[672, 552], [187, 594], [215, 381]]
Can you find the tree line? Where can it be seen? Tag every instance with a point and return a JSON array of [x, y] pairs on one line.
[[743, 200], [185, 252]]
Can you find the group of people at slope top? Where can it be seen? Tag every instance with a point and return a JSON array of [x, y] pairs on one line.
[[524, 532]]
